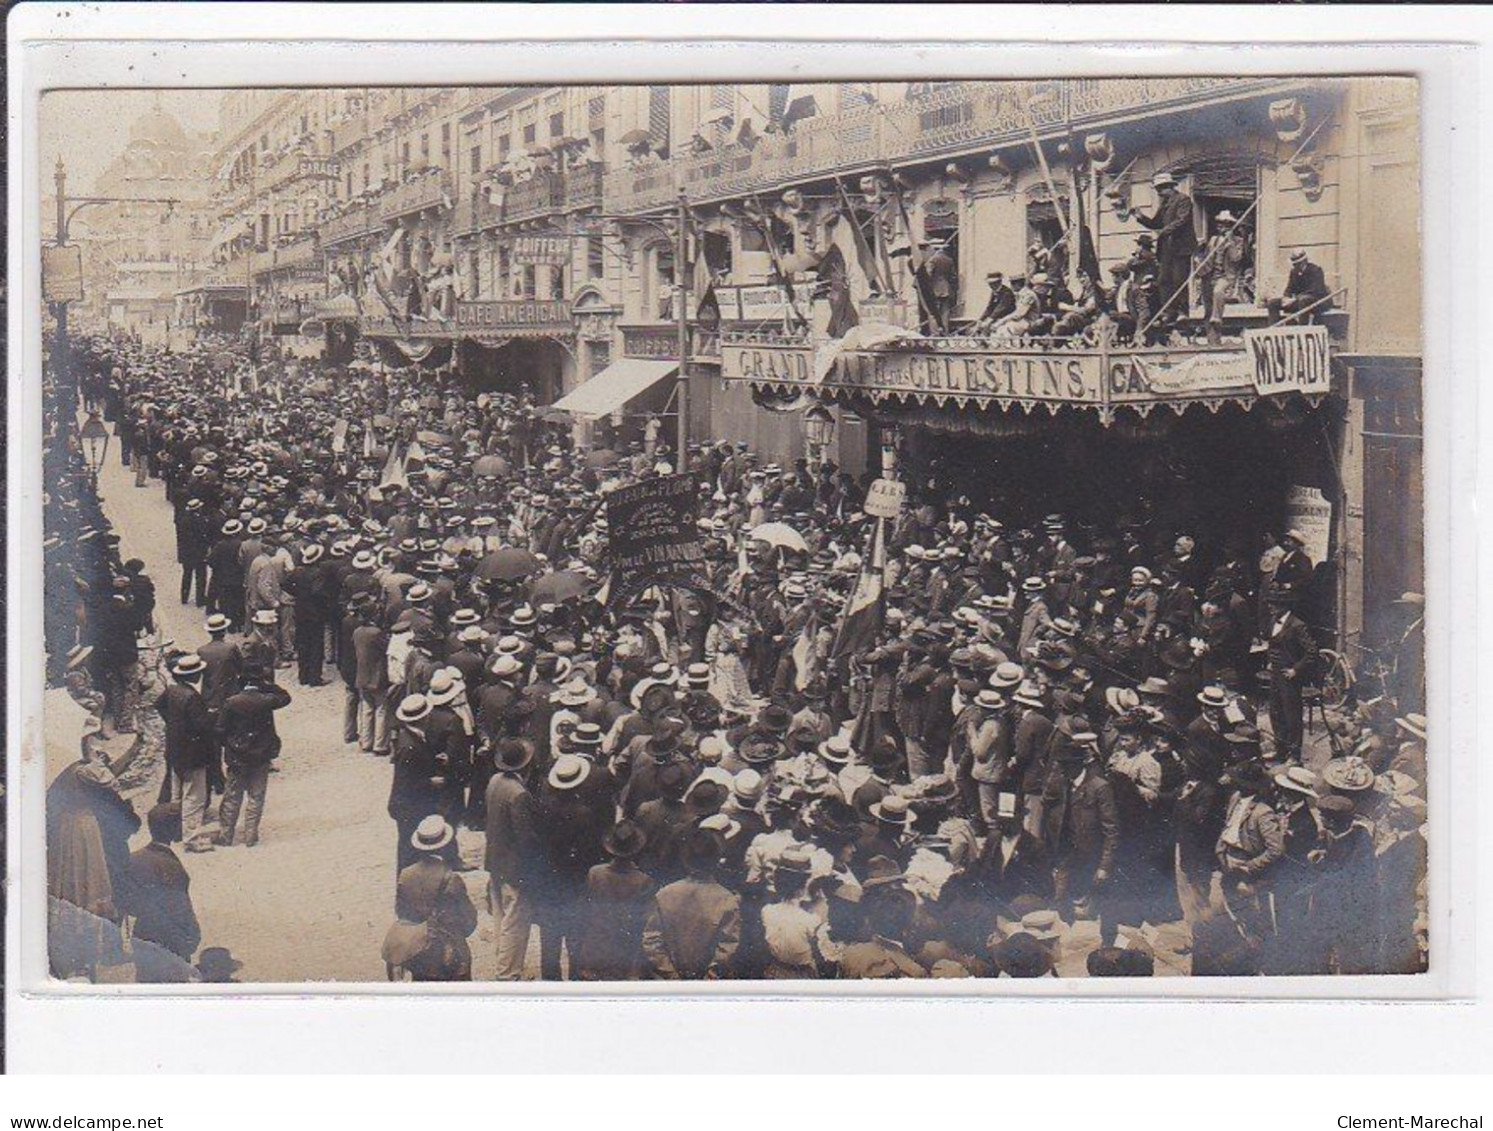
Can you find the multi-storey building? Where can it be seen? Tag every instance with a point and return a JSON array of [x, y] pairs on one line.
[[561, 238], [137, 256], [839, 185]]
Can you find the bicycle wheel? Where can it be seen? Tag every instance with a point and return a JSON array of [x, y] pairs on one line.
[[1337, 679]]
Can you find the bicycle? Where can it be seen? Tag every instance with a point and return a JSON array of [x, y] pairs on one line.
[[1342, 683]]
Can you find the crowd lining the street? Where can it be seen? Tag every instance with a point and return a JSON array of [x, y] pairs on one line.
[[1057, 733]]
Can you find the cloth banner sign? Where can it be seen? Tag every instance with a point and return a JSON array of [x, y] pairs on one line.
[[1290, 359], [1309, 511], [654, 537]]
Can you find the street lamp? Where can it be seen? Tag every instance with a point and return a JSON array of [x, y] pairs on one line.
[[95, 437], [819, 432]]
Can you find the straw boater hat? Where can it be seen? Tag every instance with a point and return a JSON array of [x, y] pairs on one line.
[[835, 750], [1348, 775], [1213, 696], [218, 623], [413, 708], [1296, 779], [189, 666], [432, 834], [1006, 675], [266, 617], [569, 771], [445, 686]]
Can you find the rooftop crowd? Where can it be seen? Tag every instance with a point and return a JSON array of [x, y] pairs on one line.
[[1063, 743]]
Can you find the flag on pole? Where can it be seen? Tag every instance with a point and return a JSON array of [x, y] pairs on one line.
[[864, 254], [866, 607], [394, 475], [1088, 255]]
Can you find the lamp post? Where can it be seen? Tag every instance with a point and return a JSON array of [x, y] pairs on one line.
[[64, 222], [95, 437], [819, 433]]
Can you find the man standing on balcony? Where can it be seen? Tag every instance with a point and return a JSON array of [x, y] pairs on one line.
[[1175, 243], [938, 279]]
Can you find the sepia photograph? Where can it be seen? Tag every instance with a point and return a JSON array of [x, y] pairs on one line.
[[753, 532]]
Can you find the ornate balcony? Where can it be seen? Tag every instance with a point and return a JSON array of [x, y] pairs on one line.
[[351, 225], [431, 189], [949, 119], [475, 214], [583, 187], [543, 194]]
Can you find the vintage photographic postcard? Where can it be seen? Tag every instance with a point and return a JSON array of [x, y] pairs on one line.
[[752, 532]]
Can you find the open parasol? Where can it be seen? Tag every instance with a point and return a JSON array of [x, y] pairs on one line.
[[489, 466], [779, 534], [508, 564], [562, 585]]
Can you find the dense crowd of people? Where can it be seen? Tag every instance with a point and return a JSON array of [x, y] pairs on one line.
[[1055, 733]]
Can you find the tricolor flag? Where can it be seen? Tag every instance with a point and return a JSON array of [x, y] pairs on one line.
[[368, 440], [339, 436], [866, 606]]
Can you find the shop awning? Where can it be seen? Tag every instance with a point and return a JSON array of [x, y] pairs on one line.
[[614, 386]]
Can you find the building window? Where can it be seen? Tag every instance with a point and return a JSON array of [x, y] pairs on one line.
[[658, 118], [404, 155], [476, 155], [501, 286], [557, 282], [366, 180], [557, 124], [658, 297], [595, 257], [505, 146], [349, 190], [424, 149], [445, 145], [716, 247], [531, 134], [528, 282], [777, 101]]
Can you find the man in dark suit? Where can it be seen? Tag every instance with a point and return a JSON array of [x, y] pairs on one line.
[[1306, 286], [250, 743], [1083, 831], [225, 589], [1002, 302], [1292, 653], [166, 933], [311, 585], [938, 278], [190, 746], [192, 527], [1175, 242], [514, 854], [371, 678]]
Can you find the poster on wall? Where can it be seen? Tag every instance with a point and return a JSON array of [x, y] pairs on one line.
[[1309, 511]]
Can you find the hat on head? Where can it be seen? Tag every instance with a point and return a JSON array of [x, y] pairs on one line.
[[748, 788], [1022, 956], [569, 771], [1336, 809], [624, 840], [218, 623], [1349, 775], [364, 560], [1296, 779], [432, 834], [232, 527], [311, 554], [1154, 685], [1121, 699], [1163, 180], [989, 699], [1298, 256], [189, 666], [1413, 725], [892, 810], [1033, 585], [266, 617], [1006, 674], [587, 736], [1213, 696], [510, 755], [835, 750], [445, 685], [1029, 694], [413, 708]]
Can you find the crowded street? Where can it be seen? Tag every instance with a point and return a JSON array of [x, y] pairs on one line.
[[508, 570]]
